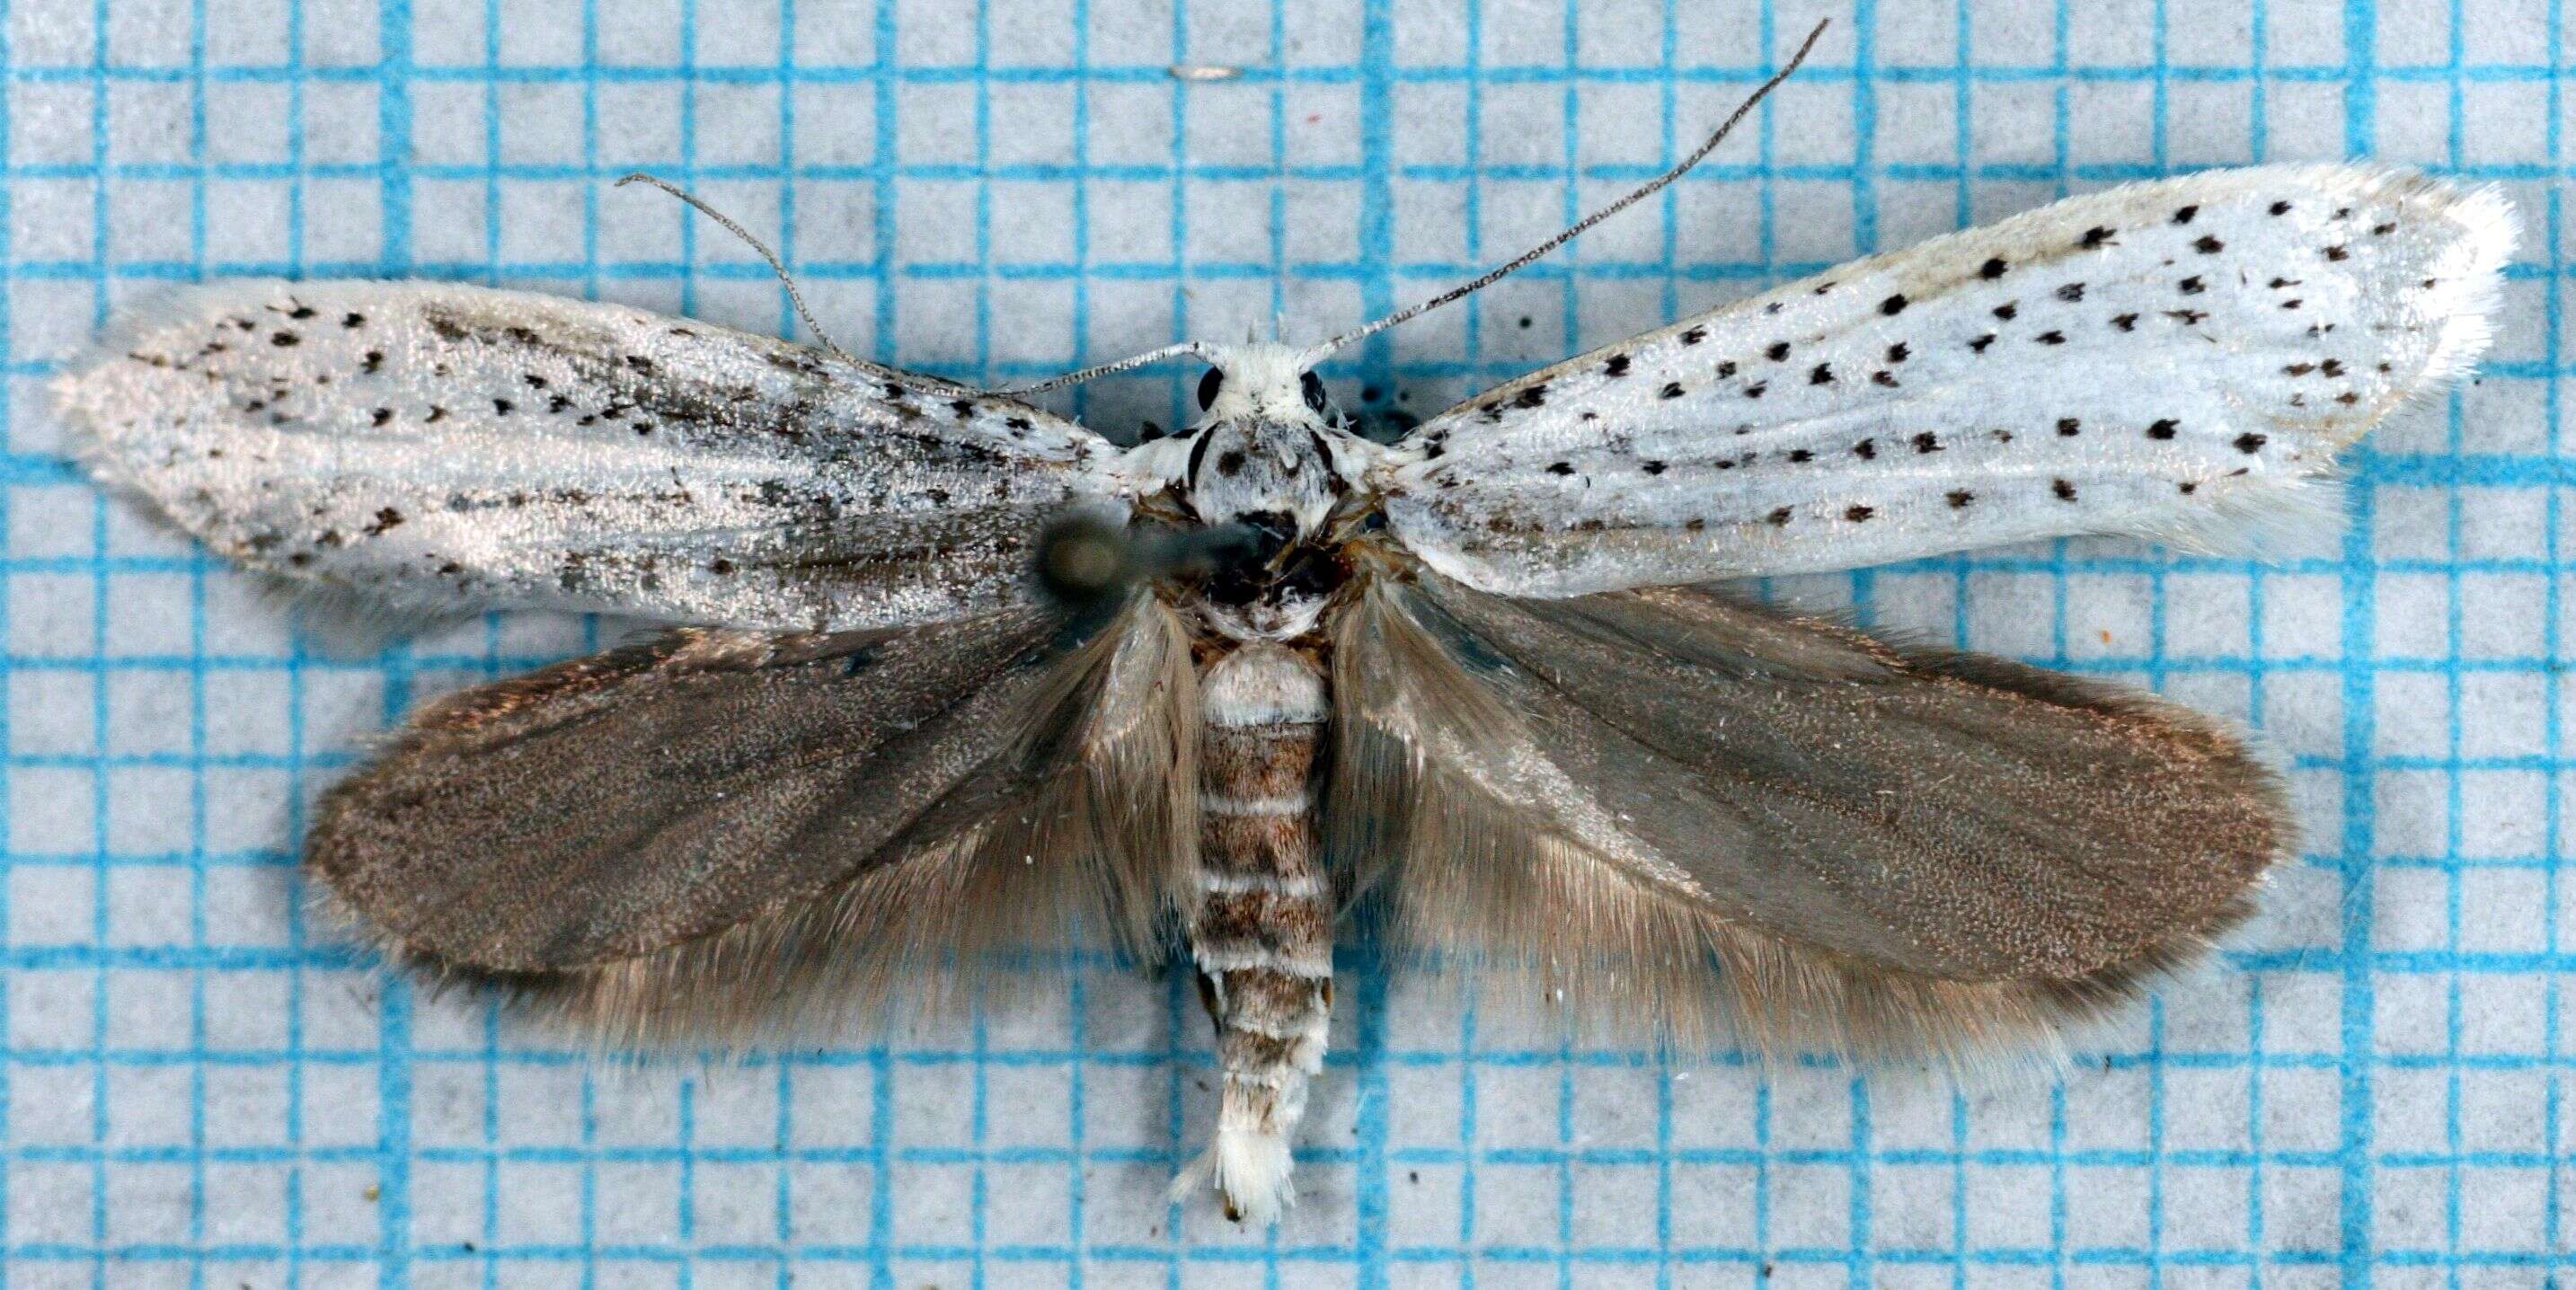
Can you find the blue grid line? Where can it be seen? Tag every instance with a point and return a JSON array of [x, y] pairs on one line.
[[2554, 1236], [1157, 74], [8, 434], [1383, 271]]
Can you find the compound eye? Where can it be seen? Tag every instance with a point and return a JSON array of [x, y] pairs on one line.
[[1208, 386], [1312, 386]]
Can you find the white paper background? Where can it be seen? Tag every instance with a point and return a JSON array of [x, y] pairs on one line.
[[200, 1087]]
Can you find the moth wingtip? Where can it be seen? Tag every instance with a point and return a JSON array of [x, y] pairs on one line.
[[91, 393]]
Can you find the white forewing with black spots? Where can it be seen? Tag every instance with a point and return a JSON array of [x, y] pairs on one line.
[[2177, 360], [438, 447]]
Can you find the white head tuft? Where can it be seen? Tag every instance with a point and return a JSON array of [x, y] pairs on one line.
[[1258, 379]]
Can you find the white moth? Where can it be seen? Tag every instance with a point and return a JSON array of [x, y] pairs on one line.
[[1285, 668]]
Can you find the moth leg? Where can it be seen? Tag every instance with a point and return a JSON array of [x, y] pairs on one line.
[[1258, 912]]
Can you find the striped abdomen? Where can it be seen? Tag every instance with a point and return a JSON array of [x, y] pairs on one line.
[[1259, 914]]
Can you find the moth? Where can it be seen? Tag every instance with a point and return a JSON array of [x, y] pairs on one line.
[[952, 675]]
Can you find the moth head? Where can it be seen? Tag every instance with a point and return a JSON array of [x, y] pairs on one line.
[[1264, 381], [1259, 453]]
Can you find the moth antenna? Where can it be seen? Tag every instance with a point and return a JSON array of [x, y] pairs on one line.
[[1128, 364], [1577, 229], [794, 297], [1522, 261]]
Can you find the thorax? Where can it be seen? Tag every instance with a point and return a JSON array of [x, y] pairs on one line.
[[1283, 473]]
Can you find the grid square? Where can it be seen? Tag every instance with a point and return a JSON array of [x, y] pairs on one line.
[[2012, 123], [1914, 1207], [2416, 36], [648, 33], [2108, 1208], [738, 33], [2108, 36], [830, 1204], [54, 1009], [1227, 124]]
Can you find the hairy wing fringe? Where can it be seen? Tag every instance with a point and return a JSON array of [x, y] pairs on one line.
[[1476, 883]]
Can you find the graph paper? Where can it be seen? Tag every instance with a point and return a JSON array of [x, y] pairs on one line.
[[203, 1086]]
